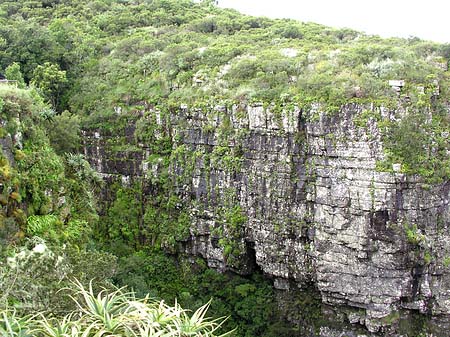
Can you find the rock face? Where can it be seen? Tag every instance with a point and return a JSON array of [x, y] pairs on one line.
[[297, 194]]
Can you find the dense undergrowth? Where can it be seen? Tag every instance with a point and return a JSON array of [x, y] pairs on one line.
[[101, 64], [49, 238]]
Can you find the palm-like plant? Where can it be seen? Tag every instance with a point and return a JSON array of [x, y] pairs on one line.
[[13, 326], [114, 314], [105, 309], [196, 324], [64, 327]]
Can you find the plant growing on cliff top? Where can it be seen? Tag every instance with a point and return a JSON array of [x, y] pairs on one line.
[[419, 141], [50, 80]]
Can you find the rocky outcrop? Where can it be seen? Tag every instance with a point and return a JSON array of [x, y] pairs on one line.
[[297, 194]]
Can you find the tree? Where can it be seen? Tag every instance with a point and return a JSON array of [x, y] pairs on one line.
[[49, 79], [64, 132], [13, 73]]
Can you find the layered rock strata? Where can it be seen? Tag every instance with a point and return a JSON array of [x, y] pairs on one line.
[[297, 194]]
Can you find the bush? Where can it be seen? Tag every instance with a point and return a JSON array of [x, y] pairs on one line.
[[112, 313], [33, 274]]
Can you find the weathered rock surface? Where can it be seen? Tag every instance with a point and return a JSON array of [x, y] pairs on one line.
[[317, 210]]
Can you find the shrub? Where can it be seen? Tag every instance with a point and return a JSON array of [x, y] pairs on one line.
[[114, 313]]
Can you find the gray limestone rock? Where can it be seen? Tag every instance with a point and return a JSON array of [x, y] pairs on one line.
[[316, 208]]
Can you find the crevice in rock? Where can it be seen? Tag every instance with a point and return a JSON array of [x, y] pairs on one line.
[[250, 253], [416, 274]]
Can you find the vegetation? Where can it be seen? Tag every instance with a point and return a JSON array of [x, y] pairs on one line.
[[117, 313], [88, 59], [52, 234], [128, 69], [420, 143], [246, 301]]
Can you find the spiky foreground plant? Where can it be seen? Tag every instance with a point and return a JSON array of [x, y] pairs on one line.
[[13, 326], [113, 314]]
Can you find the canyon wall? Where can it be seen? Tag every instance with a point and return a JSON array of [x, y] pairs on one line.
[[297, 195]]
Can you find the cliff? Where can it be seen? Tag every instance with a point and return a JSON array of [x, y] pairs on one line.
[[298, 194]]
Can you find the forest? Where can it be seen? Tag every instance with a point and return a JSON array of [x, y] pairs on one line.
[[80, 66]]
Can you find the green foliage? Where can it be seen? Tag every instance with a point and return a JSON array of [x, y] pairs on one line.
[[248, 301], [57, 192], [45, 226], [32, 275], [413, 234], [105, 55], [165, 223], [12, 325], [124, 216], [154, 50], [419, 141], [145, 56], [233, 218], [13, 73], [115, 313], [19, 103], [64, 132], [52, 229], [49, 79], [227, 158], [446, 261], [42, 173], [365, 116], [154, 273], [54, 193], [10, 216]]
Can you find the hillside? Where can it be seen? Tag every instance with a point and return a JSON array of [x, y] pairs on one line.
[[128, 55], [291, 171]]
